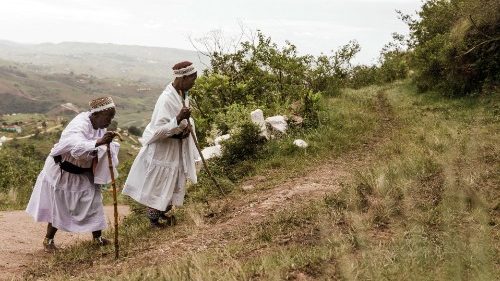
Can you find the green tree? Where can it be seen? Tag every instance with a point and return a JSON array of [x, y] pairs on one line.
[[259, 74], [455, 45]]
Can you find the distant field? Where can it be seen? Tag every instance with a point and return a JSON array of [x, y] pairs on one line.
[[137, 63], [39, 78]]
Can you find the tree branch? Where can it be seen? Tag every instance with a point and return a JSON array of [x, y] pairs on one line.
[[482, 43], [477, 28]]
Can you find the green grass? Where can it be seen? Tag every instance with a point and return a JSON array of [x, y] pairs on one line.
[[346, 122], [426, 207]]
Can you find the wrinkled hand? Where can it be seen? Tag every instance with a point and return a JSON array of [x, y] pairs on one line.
[[186, 132], [107, 138], [185, 113]]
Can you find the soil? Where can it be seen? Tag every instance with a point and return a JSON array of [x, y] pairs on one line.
[[21, 239]]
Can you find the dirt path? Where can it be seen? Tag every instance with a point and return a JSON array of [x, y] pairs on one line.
[[21, 239], [239, 213]]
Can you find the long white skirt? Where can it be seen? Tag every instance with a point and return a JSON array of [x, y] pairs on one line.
[[70, 202], [157, 183]]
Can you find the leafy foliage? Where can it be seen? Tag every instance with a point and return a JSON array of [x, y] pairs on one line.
[[243, 146], [393, 64], [259, 74], [19, 169], [135, 131], [456, 46]]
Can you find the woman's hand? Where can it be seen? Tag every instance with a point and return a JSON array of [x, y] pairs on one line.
[[185, 113], [107, 138], [186, 132]]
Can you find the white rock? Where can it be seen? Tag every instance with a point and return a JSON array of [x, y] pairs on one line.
[[247, 187], [300, 143], [3, 139], [212, 151], [278, 123], [222, 138], [257, 117]]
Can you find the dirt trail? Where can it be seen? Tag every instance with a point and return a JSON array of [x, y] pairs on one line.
[[239, 214], [21, 239]]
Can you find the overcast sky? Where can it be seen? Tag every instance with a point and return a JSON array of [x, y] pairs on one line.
[[314, 26]]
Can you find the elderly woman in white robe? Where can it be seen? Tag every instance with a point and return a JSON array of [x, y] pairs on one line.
[[167, 158], [66, 194]]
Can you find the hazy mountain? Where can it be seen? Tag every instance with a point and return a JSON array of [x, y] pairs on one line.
[[40, 78], [23, 90], [138, 63]]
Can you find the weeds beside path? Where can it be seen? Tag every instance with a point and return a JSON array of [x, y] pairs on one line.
[[237, 217], [414, 198]]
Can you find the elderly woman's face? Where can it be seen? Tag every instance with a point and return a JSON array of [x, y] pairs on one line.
[[102, 119], [188, 81]]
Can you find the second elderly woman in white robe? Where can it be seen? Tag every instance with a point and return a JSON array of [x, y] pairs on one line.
[[157, 178]]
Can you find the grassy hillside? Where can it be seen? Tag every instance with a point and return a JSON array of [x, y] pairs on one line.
[[26, 91], [395, 185], [136, 63], [38, 78]]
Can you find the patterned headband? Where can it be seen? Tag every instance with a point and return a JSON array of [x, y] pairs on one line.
[[186, 71], [101, 104]]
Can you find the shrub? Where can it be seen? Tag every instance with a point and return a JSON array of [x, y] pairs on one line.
[[455, 46], [363, 75], [135, 131], [19, 169], [244, 145], [261, 75]]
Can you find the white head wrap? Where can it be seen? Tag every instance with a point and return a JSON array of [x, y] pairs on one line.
[[101, 104], [186, 71]]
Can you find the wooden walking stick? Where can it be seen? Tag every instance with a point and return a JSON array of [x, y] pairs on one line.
[[115, 203], [184, 97]]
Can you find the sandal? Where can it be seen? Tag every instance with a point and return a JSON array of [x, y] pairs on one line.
[[49, 246]]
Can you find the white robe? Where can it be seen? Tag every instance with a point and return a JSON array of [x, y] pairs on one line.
[[158, 175], [72, 202]]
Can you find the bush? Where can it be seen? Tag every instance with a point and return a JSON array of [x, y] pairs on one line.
[[455, 46], [363, 75], [330, 74], [135, 131], [244, 145], [262, 75], [393, 60], [19, 169]]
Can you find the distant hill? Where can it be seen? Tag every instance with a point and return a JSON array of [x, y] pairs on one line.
[[137, 63], [39, 78], [23, 90], [64, 109]]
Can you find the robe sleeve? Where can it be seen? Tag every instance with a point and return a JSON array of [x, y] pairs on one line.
[[74, 141], [167, 126], [101, 173], [169, 129]]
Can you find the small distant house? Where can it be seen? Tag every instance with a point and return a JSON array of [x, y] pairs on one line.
[[15, 129]]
